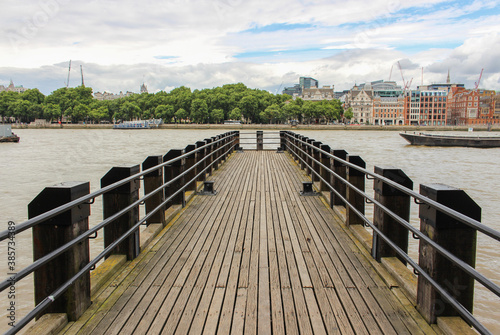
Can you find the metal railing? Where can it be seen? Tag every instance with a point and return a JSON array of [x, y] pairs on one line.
[[307, 151], [212, 153]]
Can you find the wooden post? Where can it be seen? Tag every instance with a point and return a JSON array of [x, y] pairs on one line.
[[397, 202], [316, 158], [54, 233], [224, 147], [340, 169], [357, 179], [216, 153], [309, 151], [208, 154], [152, 181], [113, 202], [297, 146], [303, 148], [200, 154], [260, 140], [283, 139], [189, 162], [456, 237], [171, 171], [237, 139], [325, 174]]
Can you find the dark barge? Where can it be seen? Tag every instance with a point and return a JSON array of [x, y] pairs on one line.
[[451, 140]]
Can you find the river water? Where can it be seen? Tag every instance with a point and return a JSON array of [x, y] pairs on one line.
[[45, 157]]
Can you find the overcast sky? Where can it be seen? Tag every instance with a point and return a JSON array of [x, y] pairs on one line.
[[263, 44]]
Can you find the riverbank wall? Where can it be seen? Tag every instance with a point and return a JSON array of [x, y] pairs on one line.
[[269, 127]]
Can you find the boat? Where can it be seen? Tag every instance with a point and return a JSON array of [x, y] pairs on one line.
[[452, 140], [138, 124], [6, 134]]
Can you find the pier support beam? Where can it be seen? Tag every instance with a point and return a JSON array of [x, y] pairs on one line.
[[54, 233], [397, 202], [456, 237], [116, 200], [357, 179], [152, 181], [171, 172]]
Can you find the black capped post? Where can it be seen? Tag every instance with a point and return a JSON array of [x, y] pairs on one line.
[[397, 202], [357, 179], [152, 181], [54, 233], [454, 236], [172, 173], [114, 201]]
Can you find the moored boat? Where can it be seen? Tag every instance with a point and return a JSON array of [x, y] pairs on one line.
[[6, 134], [452, 140]]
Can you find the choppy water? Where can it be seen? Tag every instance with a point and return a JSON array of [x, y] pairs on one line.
[[47, 157]]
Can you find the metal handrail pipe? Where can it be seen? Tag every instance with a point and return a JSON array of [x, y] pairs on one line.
[[451, 212], [494, 288], [47, 258], [53, 212], [51, 298]]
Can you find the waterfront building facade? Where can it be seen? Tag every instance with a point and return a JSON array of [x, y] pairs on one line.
[[110, 96], [13, 88]]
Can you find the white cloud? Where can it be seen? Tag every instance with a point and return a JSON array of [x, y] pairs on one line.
[[197, 43]]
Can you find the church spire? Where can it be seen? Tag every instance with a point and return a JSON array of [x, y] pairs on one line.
[[448, 78]]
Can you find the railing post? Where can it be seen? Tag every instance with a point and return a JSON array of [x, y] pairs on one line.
[[216, 153], [396, 201], [224, 147], [303, 148], [114, 201], [337, 182], [200, 154], [325, 174], [260, 140], [456, 237], [189, 162], [296, 138], [283, 139], [152, 181], [172, 171], [208, 154], [309, 151], [316, 158], [237, 139], [54, 233], [357, 179]]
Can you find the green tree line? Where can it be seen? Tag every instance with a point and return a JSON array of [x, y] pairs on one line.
[[229, 102]]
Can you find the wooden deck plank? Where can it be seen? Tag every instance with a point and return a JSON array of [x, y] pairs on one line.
[[257, 258]]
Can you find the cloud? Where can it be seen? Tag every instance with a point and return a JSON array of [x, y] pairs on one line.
[[201, 43]]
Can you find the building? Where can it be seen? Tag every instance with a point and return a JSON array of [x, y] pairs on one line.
[[304, 83], [144, 88], [110, 96], [379, 102], [318, 94], [471, 107], [12, 88]]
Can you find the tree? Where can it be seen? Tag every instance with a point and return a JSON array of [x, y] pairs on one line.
[[51, 111], [98, 114], [33, 95], [217, 115], [80, 112], [348, 114], [7, 98], [249, 105], [129, 111], [181, 114], [271, 113], [199, 111], [235, 114], [165, 112]]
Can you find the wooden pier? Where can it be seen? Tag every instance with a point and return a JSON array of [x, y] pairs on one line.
[[256, 258]]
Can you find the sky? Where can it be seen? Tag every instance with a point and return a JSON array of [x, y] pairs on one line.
[[263, 44]]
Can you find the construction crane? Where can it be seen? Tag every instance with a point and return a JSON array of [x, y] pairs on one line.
[[406, 84], [278, 88], [390, 73], [81, 70], [69, 70], [479, 80]]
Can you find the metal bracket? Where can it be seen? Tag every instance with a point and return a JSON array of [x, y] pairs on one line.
[[93, 237], [280, 150], [208, 188], [307, 189]]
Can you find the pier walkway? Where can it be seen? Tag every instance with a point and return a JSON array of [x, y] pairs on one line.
[[256, 258]]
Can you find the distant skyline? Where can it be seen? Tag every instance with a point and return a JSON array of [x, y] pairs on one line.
[[265, 45]]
